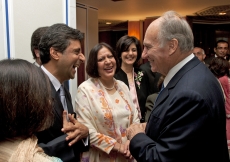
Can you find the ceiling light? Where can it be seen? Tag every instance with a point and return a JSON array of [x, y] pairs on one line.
[[108, 23], [222, 13]]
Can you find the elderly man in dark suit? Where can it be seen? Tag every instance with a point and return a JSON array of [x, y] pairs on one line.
[[188, 119], [60, 53]]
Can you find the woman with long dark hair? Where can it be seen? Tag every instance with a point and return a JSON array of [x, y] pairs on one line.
[[25, 109]]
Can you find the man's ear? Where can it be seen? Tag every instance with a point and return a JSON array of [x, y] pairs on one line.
[[173, 44], [204, 56], [36, 51], [215, 49], [54, 54]]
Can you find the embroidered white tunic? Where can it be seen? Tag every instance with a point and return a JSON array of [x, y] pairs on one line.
[[107, 118]]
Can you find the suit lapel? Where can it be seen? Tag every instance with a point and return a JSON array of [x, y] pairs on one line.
[[68, 101], [165, 92], [58, 108]]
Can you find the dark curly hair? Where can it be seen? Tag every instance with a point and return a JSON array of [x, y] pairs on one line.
[[25, 99], [91, 67], [219, 67], [123, 45]]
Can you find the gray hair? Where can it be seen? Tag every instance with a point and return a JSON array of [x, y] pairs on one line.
[[174, 26], [202, 51]]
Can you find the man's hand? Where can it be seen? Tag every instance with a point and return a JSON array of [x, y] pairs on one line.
[[39, 149], [134, 129], [127, 153], [74, 130]]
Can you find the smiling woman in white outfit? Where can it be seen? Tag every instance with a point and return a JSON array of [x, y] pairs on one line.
[[104, 105]]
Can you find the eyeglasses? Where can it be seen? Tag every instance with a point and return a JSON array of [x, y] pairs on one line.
[[222, 48], [198, 53]]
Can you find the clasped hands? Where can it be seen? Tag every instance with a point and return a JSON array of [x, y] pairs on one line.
[[123, 148], [74, 129], [131, 131], [134, 129]]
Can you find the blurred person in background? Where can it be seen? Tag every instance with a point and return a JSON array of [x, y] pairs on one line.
[[199, 53], [221, 49], [35, 39], [220, 68]]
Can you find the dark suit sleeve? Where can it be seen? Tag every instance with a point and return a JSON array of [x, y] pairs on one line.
[[179, 122], [149, 104], [59, 147], [142, 147]]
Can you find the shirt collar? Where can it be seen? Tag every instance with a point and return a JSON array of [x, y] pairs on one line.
[[35, 63], [217, 56], [176, 68], [52, 78]]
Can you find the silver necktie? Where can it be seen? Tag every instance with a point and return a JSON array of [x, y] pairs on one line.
[[62, 98]]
